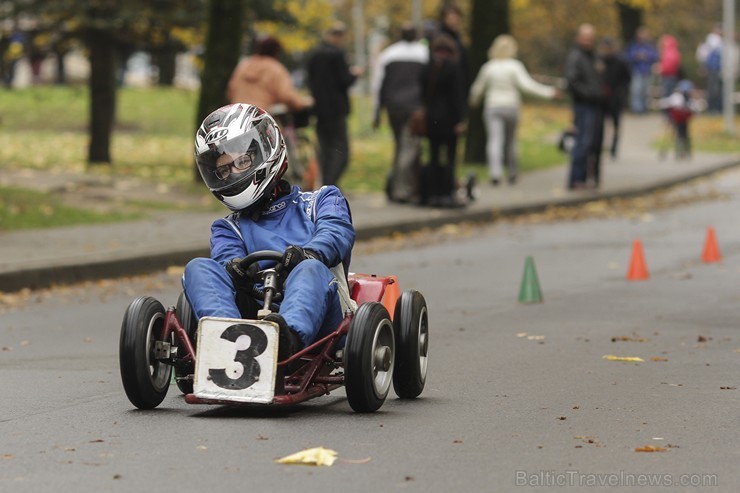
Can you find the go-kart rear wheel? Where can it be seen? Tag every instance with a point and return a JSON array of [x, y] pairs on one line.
[[145, 379], [186, 316], [369, 357], [411, 323]]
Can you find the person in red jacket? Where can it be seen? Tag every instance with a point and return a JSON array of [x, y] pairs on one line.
[[669, 65]]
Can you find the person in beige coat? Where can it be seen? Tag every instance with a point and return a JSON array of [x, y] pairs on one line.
[[499, 83], [261, 80]]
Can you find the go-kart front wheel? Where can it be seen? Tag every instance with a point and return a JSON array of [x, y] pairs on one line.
[[145, 379], [369, 357], [411, 323]]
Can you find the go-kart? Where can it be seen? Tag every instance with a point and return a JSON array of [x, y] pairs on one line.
[[235, 362]]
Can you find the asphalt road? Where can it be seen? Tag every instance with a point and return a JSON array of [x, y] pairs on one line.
[[518, 396]]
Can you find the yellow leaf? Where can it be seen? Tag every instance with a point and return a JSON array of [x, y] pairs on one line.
[[318, 456], [650, 448], [633, 359]]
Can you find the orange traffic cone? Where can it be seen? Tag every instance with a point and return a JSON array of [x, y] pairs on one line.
[[391, 295], [711, 250], [638, 269]]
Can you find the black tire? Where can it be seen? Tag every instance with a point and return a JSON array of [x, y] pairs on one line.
[[369, 357], [186, 316], [411, 323], [145, 380]]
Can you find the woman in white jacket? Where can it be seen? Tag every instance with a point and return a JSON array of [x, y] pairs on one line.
[[501, 80]]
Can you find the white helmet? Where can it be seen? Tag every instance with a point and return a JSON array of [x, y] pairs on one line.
[[240, 154]]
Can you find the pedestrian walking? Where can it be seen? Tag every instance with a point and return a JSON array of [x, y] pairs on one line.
[[329, 79], [709, 55], [443, 94], [680, 106], [585, 87], [499, 84], [396, 88], [261, 80], [450, 22], [641, 55], [669, 64], [616, 80]]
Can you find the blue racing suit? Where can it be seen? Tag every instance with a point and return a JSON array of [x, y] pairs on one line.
[[319, 221]]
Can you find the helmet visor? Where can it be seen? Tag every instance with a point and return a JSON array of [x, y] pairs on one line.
[[227, 162]]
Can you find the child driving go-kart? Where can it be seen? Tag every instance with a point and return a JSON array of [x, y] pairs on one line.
[[273, 316], [241, 156]]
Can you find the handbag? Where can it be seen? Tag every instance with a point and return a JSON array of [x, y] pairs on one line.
[[418, 122]]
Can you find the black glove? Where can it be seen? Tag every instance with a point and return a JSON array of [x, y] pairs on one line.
[[241, 277], [294, 255]]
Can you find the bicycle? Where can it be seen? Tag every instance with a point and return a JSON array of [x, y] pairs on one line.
[[303, 169]]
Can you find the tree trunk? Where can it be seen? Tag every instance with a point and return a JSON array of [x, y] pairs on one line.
[[165, 59], [489, 18], [630, 18], [223, 43], [102, 94]]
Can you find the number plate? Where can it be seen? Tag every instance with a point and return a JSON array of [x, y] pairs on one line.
[[236, 360]]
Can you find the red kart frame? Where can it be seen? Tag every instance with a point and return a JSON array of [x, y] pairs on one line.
[[387, 326]]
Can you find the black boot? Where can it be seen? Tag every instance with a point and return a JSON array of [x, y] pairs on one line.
[[289, 343]]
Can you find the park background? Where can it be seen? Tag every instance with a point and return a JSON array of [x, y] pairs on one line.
[[95, 119]]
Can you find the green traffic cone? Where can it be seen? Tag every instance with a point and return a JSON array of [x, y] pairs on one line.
[[530, 290]]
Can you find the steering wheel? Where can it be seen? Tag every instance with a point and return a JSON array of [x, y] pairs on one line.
[[271, 278], [258, 256]]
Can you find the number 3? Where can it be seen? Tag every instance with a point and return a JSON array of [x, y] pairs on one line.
[[245, 357]]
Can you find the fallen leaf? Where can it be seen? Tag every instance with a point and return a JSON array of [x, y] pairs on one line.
[[633, 359], [658, 358], [318, 456], [629, 339], [7, 456], [524, 334], [87, 339], [651, 448], [356, 461]]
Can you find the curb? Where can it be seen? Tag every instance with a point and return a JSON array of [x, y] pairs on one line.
[[49, 276]]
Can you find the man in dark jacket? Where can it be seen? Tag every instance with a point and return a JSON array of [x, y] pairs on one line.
[[617, 78], [585, 87], [396, 87], [329, 79]]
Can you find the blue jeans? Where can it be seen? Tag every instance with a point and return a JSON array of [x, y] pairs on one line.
[[586, 121], [639, 92], [310, 307]]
